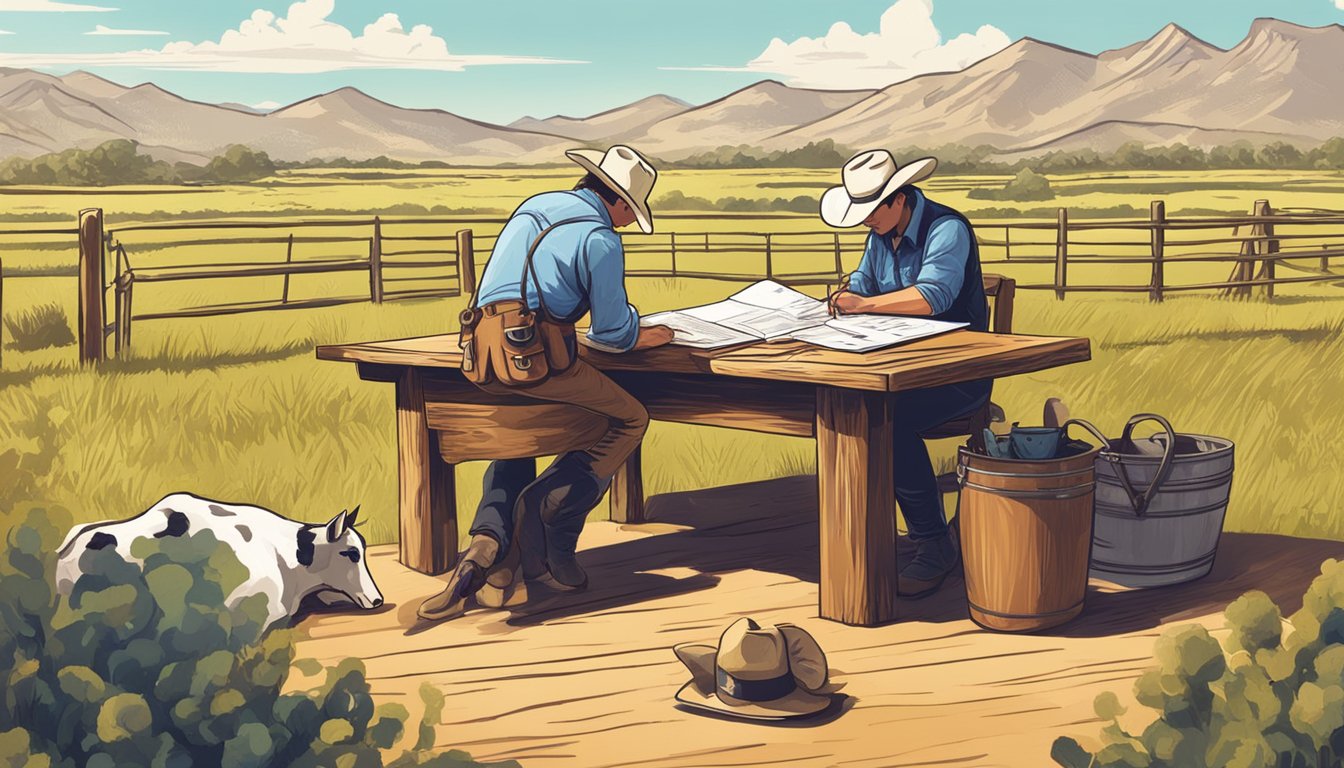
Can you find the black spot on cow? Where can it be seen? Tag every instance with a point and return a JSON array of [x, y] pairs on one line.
[[219, 511], [177, 525], [244, 531], [306, 549], [100, 540]]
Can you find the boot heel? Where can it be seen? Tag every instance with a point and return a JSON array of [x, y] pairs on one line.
[[510, 596]]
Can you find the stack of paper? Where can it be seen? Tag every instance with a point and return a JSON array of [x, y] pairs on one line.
[[768, 311]]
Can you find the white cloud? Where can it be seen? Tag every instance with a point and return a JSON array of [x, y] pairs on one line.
[[99, 29], [1339, 4], [5, 32], [51, 6], [906, 45], [303, 41]]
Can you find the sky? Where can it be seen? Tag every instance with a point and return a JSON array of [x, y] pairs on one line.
[[503, 59]]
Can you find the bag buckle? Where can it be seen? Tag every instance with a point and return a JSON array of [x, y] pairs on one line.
[[522, 363]]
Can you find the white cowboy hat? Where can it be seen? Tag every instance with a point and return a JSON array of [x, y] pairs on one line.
[[868, 178], [626, 172], [758, 673]]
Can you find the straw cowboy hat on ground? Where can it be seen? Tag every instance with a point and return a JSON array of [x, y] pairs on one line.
[[627, 173], [757, 673], [869, 177]]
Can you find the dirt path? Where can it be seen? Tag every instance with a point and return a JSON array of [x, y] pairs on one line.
[[588, 680]]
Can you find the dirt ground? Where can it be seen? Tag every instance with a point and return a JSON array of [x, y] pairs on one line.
[[588, 680]]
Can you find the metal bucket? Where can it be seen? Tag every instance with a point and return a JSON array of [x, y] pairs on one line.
[[1168, 533]]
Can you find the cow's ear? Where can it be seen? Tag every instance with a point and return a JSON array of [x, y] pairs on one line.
[[350, 519], [336, 527]]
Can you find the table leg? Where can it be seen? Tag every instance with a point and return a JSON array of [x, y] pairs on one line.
[[857, 506], [428, 503], [627, 491]]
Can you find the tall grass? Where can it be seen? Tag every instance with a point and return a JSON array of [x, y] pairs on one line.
[[239, 408]]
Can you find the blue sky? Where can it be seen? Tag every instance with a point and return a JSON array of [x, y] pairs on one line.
[[696, 50]]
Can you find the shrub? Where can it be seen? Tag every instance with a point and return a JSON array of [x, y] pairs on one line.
[[40, 327], [1262, 698], [1026, 186], [146, 667]]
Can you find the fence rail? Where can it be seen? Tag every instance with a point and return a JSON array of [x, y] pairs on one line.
[[1304, 242]]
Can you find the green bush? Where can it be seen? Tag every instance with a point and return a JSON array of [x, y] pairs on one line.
[[1026, 186], [676, 200], [42, 326], [148, 668], [1265, 697]]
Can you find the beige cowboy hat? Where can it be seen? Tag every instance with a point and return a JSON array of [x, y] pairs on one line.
[[868, 178], [626, 172], [758, 673]]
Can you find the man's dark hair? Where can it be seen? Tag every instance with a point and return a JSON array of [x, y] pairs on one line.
[[590, 181], [905, 189]]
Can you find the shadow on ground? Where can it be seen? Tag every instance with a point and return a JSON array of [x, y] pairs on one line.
[[772, 526]]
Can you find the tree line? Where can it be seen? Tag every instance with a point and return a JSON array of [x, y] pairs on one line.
[[120, 161]]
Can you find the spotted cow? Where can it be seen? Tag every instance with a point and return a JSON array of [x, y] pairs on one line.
[[287, 561]]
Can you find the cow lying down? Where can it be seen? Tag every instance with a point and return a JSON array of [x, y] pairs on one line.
[[286, 561]]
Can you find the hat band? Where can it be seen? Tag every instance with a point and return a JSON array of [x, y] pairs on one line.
[[756, 690], [866, 198]]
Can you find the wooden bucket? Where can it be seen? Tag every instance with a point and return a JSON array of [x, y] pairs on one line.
[[1026, 528], [1160, 504]]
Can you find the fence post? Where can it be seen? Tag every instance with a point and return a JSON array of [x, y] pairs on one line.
[[125, 284], [466, 263], [376, 262], [673, 241], [289, 258], [1158, 215], [839, 267], [1271, 247], [91, 312], [1007, 244], [1062, 254], [769, 259]]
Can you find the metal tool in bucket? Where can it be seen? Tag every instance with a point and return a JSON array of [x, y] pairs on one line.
[[1160, 504], [1026, 529]]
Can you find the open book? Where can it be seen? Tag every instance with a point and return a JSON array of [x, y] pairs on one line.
[[768, 311]]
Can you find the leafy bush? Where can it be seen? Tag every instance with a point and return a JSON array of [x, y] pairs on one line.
[[1026, 186], [40, 327], [1266, 697], [240, 163], [148, 668]]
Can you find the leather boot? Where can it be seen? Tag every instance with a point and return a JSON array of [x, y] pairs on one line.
[[468, 577], [935, 559], [561, 498]]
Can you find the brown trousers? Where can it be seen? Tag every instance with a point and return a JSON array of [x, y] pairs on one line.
[[585, 386]]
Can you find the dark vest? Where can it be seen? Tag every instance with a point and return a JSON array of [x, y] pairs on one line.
[[970, 306]]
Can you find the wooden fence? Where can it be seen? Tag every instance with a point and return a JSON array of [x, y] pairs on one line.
[[1257, 245]]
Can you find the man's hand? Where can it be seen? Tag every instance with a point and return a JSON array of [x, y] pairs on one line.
[[848, 303], [653, 336]]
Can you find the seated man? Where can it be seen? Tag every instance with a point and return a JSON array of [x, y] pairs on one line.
[[559, 253], [920, 259]]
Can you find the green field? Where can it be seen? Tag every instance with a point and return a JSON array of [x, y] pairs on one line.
[[237, 408]]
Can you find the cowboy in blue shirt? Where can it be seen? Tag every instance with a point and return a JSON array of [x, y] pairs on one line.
[[920, 259], [527, 525]]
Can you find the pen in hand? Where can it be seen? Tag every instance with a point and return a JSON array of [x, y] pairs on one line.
[[830, 299]]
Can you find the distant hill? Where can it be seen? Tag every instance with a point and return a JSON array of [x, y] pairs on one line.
[[1281, 83]]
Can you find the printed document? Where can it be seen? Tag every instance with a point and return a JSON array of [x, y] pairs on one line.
[[768, 311]]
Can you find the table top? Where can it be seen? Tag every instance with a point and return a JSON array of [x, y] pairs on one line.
[[944, 359]]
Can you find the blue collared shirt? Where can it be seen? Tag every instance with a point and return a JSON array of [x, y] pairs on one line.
[[579, 267], [936, 267]]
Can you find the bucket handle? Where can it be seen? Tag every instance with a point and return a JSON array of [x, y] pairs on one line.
[[1140, 501], [1090, 427]]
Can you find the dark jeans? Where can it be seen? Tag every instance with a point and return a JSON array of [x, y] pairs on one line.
[[504, 480], [919, 410]]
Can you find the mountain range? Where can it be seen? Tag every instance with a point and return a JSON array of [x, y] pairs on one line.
[[1280, 83]]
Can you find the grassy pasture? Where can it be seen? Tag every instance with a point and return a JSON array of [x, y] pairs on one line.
[[238, 408]]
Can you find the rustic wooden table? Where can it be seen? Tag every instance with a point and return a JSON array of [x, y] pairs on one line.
[[843, 400]]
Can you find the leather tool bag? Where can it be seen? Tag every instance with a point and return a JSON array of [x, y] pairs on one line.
[[508, 342]]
